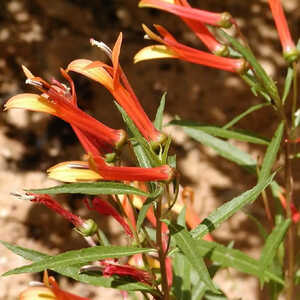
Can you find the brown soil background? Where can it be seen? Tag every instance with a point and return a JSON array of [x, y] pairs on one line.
[[45, 35]]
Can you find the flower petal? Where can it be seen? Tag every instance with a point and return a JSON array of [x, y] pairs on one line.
[[32, 102], [73, 171], [37, 293], [154, 52], [98, 73]]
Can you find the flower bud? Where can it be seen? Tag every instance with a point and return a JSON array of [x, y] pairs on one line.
[[88, 228]]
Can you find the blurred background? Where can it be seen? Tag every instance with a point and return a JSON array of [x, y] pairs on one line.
[[47, 35]]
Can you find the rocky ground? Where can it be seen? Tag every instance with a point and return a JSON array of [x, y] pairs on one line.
[[46, 35]]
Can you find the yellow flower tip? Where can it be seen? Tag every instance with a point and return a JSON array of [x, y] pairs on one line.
[[27, 73], [154, 52], [37, 293], [32, 102], [73, 171], [151, 34], [97, 73]]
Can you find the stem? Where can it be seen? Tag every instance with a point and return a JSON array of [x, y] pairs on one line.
[[161, 251], [289, 191]]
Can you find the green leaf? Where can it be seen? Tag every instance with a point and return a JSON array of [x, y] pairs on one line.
[[271, 153], [228, 257], [94, 188], [223, 133], [151, 156], [158, 122], [189, 247], [244, 114], [255, 86], [228, 209], [262, 231], [223, 148], [72, 271], [287, 84], [266, 81], [81, 256], [297, 118], [182, 277], [271, 246]]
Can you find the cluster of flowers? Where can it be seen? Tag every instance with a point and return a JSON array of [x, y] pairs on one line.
[[99, 140]]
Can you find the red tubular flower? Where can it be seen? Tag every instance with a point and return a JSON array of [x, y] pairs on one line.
[[59, 101], [55, 206], [214, 19], [289, 49], [200, 30], [114, 79], [48, 290], [173, 49], [295, 212], [97, 169], [103, 207], [125, 270]]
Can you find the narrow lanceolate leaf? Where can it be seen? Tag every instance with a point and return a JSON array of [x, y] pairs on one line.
[[271, 246], [287, 84], [158, 122], [189, 247], [82, 256], [182, 277], [223, 148], [271, 153], [266, 81], [228, 209], [94, 188], [223, 133], [228, 257], [73, 271], [152, 157], [244, 114]]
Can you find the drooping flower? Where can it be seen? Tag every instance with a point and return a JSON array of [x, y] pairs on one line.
[[171, 48], [185, 11], [103, 207], [290, 52], [114, 79], [48, 290], [97, 169], [112, 268], [85, 227], [197, 26], [59, 101]]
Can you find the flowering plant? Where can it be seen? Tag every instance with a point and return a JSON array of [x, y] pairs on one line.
[[170, 252]]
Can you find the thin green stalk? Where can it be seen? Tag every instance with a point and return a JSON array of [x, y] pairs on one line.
[[161, 251]]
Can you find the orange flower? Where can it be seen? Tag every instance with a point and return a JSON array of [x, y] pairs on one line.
[[59, 101], [49, 290], [197, 26], [114, 79], [171, 48], [185, 11], [289, 49]]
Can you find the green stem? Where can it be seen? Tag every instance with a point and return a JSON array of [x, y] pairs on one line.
[[161, 251]]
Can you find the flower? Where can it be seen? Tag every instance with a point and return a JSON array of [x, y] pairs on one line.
[[290, 52], [115, 80], [171, 48], [182, 9], [97, 169], [48, 290], [197, 26], [112, 268], [58, 100], [85, 227], [103, 207]]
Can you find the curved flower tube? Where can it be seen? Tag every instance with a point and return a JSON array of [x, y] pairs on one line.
[[214, 19], [290, 52], [198, 27], [114, 79], [59, 101], [171, 48]]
